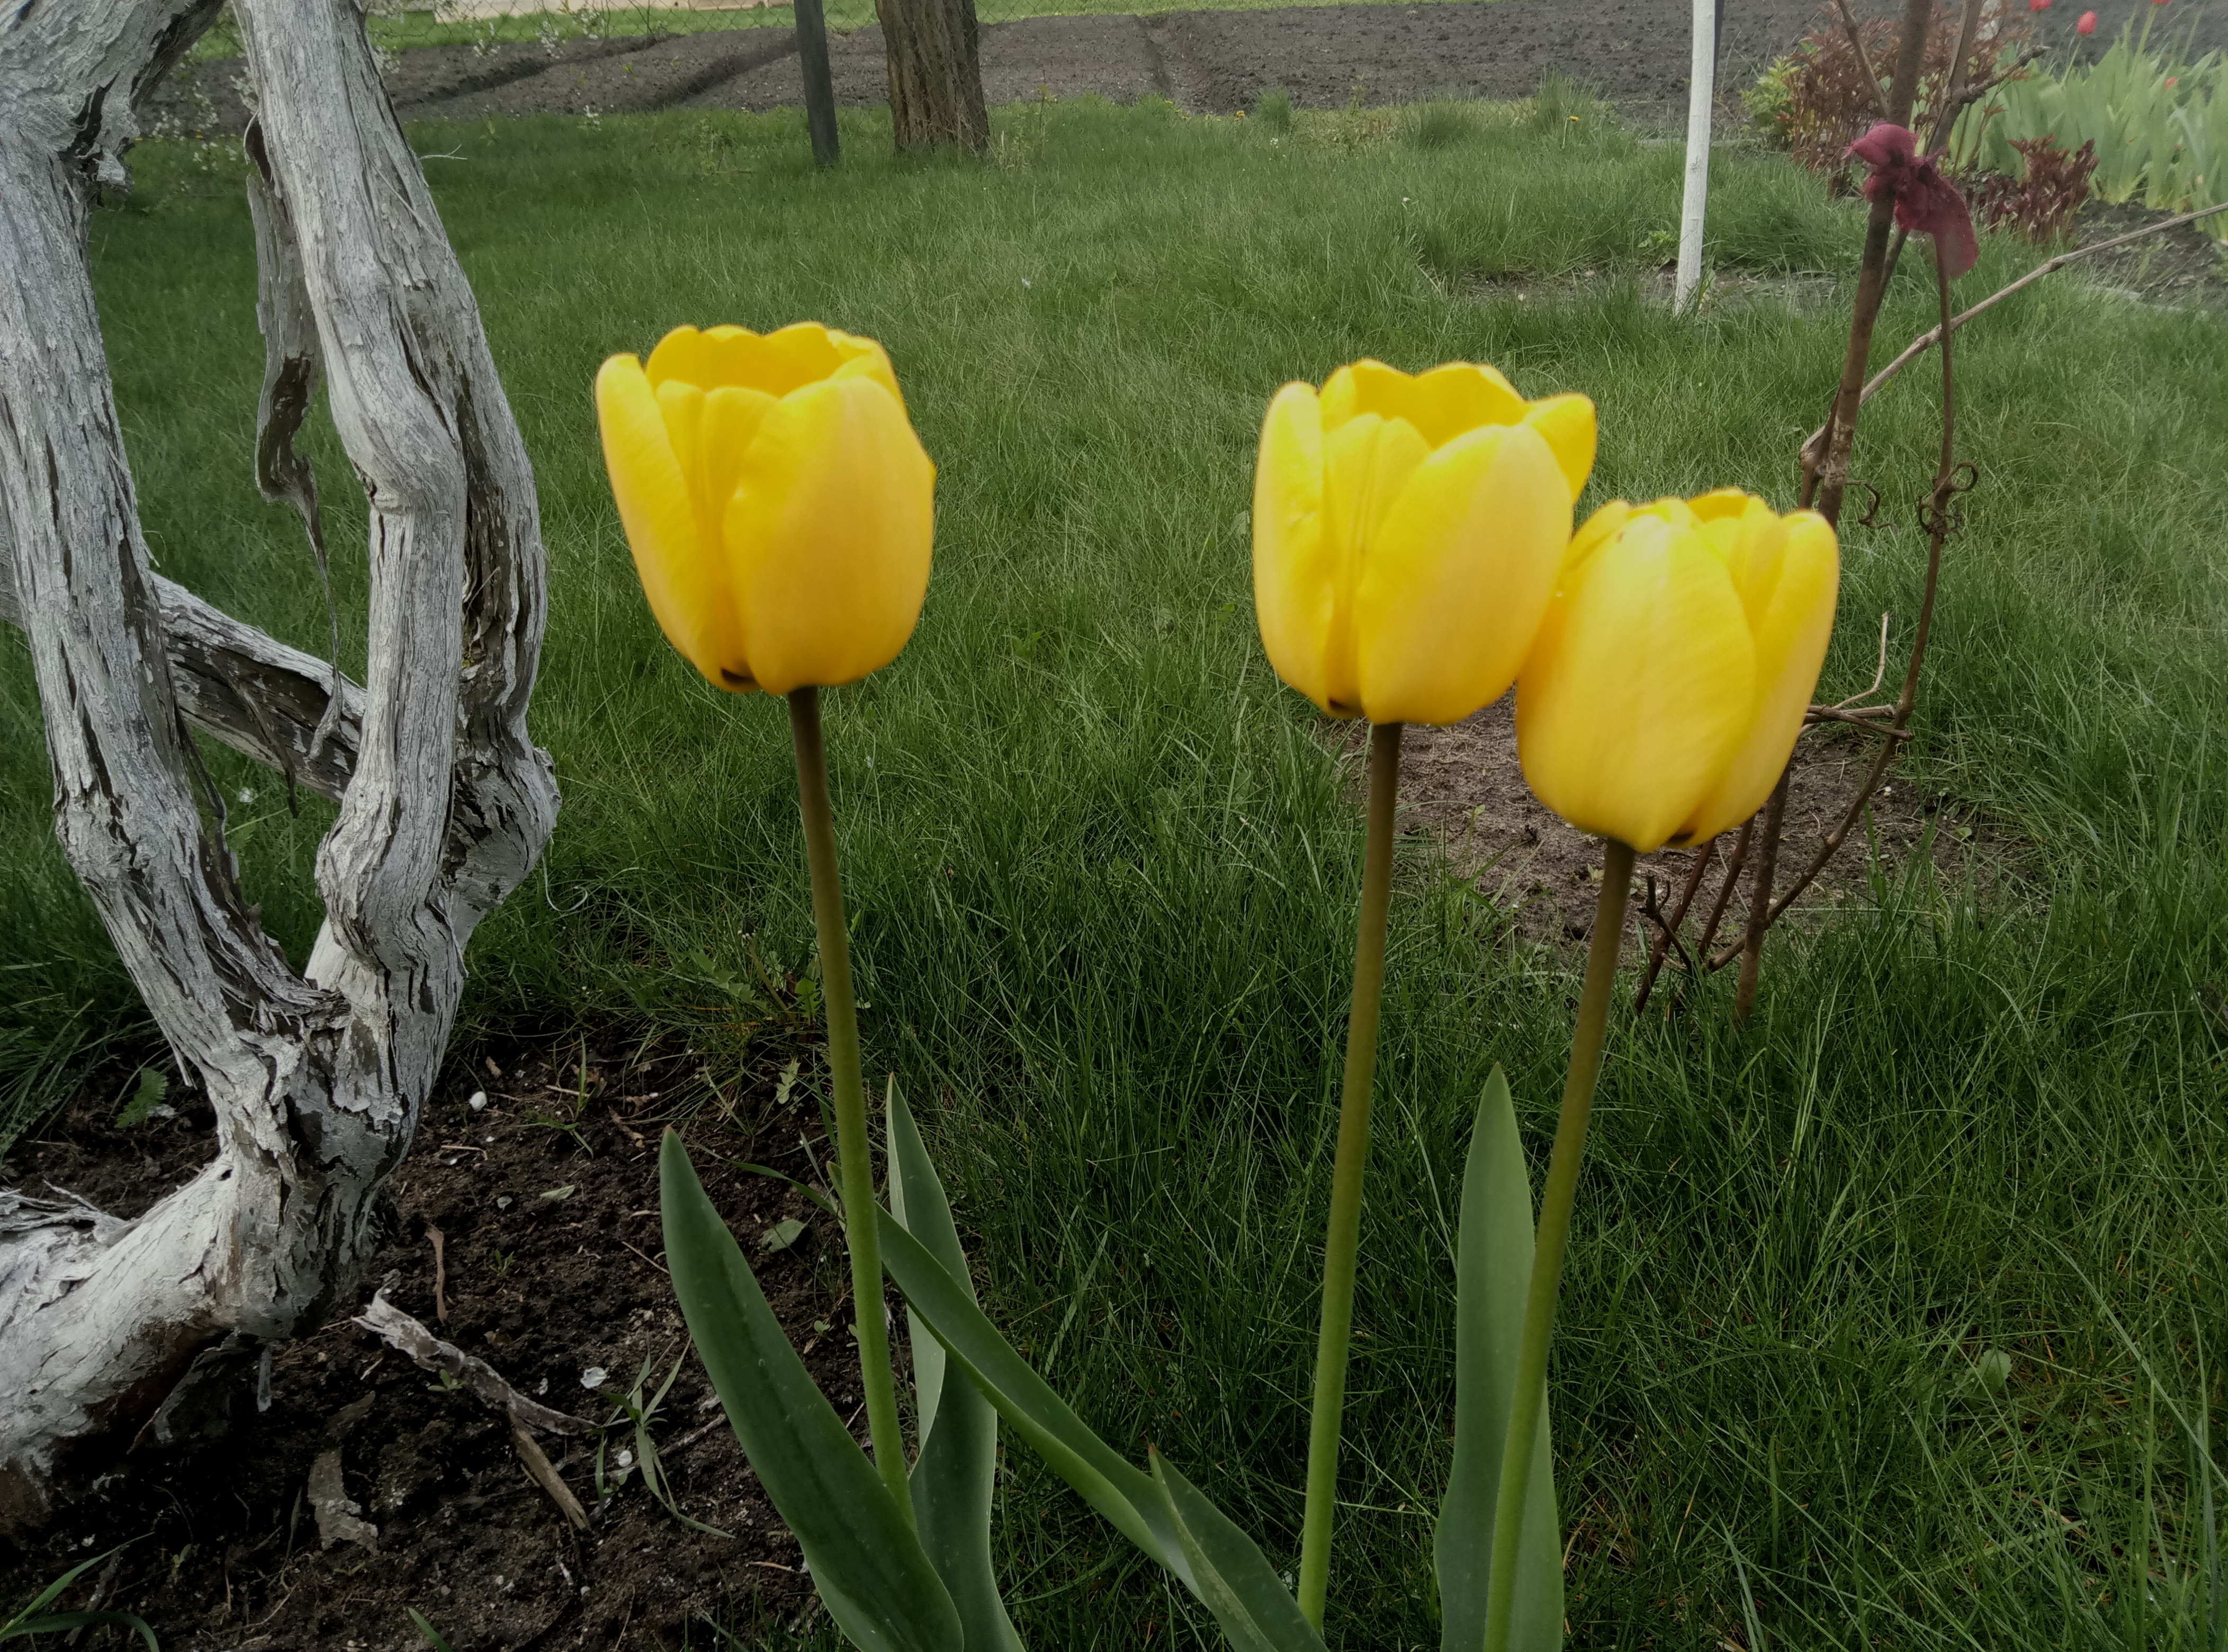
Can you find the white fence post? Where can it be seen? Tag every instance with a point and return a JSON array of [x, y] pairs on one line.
[[1700, 100]]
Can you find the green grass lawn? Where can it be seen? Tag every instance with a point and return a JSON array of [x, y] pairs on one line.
[[1103, 872]]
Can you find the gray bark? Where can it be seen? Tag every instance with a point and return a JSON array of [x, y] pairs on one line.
[[318, 1078], [936, 74]]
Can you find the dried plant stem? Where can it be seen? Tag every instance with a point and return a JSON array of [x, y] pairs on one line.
[[1864, 58], [1826, 472], [1824, 482], [1668, 927], [1733, 864], [1937, 525], [1759, 910], [1957, 97]]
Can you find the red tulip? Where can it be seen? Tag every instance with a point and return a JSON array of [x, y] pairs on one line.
[[2087, 25], [2037, 5]]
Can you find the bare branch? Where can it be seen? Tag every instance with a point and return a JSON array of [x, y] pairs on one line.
[[1927, 340], [1864, 58], [1879, 675], [245, 688]]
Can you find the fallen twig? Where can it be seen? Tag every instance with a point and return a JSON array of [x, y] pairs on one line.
[[538, 1470], [1869, 717], [406, 1335], [336, 1511], [440, 1272]]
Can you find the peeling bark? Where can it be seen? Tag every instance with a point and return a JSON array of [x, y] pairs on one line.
[[318, 1079]]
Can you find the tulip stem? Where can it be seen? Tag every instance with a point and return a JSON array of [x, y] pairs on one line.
[[1531, 1394], [1345, 1232], [852, 1150]]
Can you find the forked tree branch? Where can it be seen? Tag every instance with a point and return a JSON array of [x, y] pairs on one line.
[[318, 1079], [245, 688]]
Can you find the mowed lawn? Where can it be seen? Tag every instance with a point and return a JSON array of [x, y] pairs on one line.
[[1103, 868]]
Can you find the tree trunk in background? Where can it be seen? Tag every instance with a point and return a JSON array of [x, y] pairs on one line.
[[936, 74], [117, 1330]]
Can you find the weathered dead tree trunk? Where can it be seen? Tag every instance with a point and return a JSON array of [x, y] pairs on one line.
[[936, 74], [111, 1328]]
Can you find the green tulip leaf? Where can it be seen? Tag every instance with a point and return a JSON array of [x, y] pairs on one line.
[[954, 1472], [871, 1572], [1123, 1494], [1493, 1276], [1235, 1580]]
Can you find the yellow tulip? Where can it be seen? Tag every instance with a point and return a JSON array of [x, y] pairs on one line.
[[778, 504], [1406, 533], [1662, 698]]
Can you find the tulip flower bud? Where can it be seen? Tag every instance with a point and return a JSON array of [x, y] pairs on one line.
[[779, 506], [1406, 533], [1671, 675], [2087, 25]]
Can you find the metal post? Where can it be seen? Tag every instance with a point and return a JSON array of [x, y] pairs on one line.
[[1700, 113], [819, 84]]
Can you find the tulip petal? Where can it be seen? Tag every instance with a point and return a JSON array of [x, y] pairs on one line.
[[681, 574], [1441, 404], [1677, 512], [1639, 689], [1366, 464], [1754, 547], [1790, 634], [682, 355], [789, 359], [776, 364], [1568, 423], [1295, 579], [1341, 394], [829, 533], [865, 358], [1720, 503], [1455, 579], [730, 424], [727, 356], [1595, 532], [1458, 397]]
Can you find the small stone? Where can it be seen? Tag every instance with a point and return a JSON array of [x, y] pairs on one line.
[[478, 1100]]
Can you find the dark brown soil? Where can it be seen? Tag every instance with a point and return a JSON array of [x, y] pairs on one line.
[[1462, 785], [2181, 267], [543, 1283], [1632, 52]]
